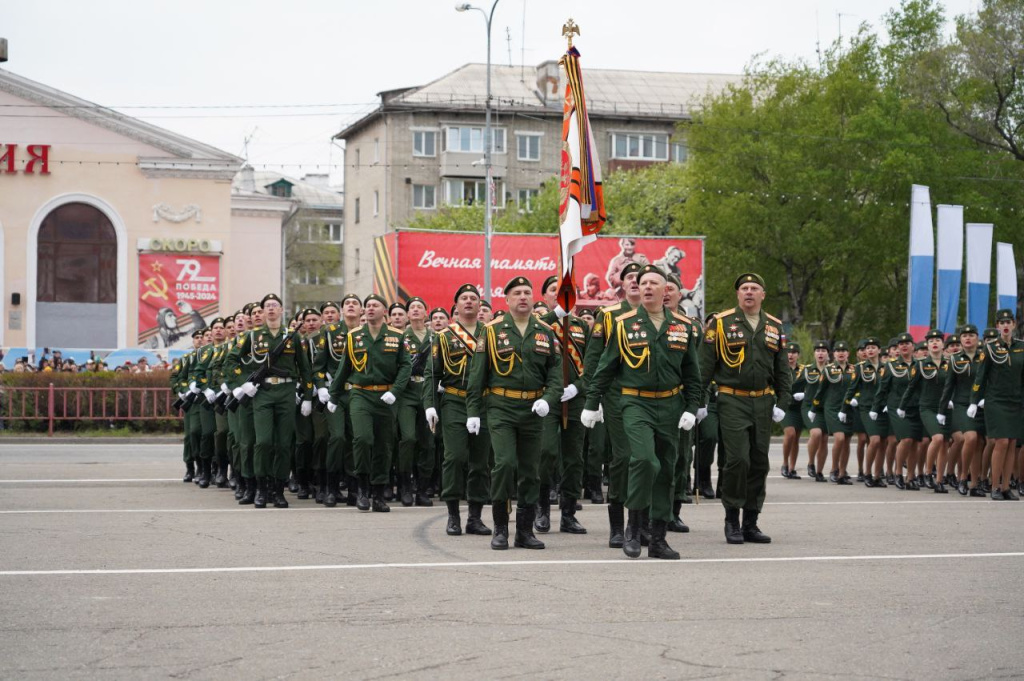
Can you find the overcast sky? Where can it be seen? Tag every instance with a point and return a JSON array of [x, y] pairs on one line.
[[204, 53]]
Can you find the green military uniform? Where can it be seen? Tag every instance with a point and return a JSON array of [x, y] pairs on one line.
[[927, 381], [963, 368], [510, 371], [749, 365], [310, 431], [684, 461], [894, 378], [707, 443], [863, 386], [372, 367], [331, 349], [206, 425], [234, 439], [179, 385], [415, 441], [831, 397], [220, 433], [1000, 383], [811, 384], [237, 369], [798, 382]]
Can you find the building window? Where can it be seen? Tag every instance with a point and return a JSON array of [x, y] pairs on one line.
[[640, 147], [525, 199], [376, 150], [357, 260], [680, 152], [376, 203], [307, 277], [424, 196], [424, 143], [77, 251], [357, 211], [470, 139], [528, 147], [459, 192], [357, 158], [317, 232]]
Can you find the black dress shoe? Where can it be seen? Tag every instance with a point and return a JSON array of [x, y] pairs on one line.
[[785, 472], [810, 470], [733, 533], [707, 491], [843, 480], [913, 486], [677, 525], [891, 479], [793, 475], [977, 492], [997, 495], [751, 532], [986, 485], [833, 476], [869, 481], [929, 481], [900, 483], [820, 478], [940, 488], [880, 482], [1010, 495], [860, 477], [962, 488]]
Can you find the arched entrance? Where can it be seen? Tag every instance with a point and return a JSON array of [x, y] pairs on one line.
[[77, 268]]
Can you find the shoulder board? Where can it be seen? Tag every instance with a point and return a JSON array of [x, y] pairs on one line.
[[625, 315], [773, 318], [495, 322], [393, 329], [612, 308], [541, 323], [681, 317], [357, 329], [726, 313]]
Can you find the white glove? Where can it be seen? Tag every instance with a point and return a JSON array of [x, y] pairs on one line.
[[590, 418], [854, 403], [473, 425], [559, 312], [885, 410], [182, 395], [307, 408], [224, 389], [901, 413], [324, 395], [432, 419], [950, 405], [238, 392], [811, 416], [702, 414], [332, 407], [981, 403], [873, 415], [941, 418], [569, 393], [540, 408], [972, 411], [210, 395], [842, 417], [798, 397], [440, 388], [192, 387], [249, 389], [298, 400], [687, 420], [388, 398], [778, 414]]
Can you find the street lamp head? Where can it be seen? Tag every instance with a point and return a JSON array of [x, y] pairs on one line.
[[462, 7]]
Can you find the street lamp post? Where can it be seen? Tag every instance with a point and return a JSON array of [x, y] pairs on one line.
[[487, 149]]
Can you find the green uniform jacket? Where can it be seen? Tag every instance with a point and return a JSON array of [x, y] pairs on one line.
[[736, 356], [927, 381], [199, 369], [650, 359], [414, 346], [579, 336], [894, 378], [373, 361], [330, 352], [179, 372], [1000, 376], [451, 352], [797, 384], [255, 347], [835, 384], [215, 371], [863, 386], [505, 359], [959, 380], [604, 326]]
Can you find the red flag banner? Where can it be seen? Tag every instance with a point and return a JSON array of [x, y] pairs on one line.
[[177, 293]]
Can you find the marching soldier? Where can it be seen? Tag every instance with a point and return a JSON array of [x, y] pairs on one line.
[[817, 440], [180, 385], [199, 384], [793, 423], [652, 355], [330, 344], [963, 366], [894, 378], [831, 400], [415, 443], [744, 356], [927, 381], [310, 431], [859, 396], [519, 366]]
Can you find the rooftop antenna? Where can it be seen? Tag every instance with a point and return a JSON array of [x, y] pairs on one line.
[[245, 144], [817, 42], [522, 48], [840, 16], [508, 39]]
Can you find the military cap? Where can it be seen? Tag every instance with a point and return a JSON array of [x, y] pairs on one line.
[[270, 296], [229, 319], [872, 340], [498, 314], [415, 299], [308, 311], [374, 296], [951, 339], [351, 296], [466, 287], [672, 278], [298, 315], [749, 278], [553, 279], [539, 304], [651, 269], [629, 269], [840, 346], [517, 281], [198, 333], [326, 304], [904, 338], [861, 343], [893, 342], [821, 345], [439, 309], [793, 347], [990, 334], [396, 306], [920, 346], [587, 312], [934, 333], [968, 328], [216, 321], [1004, 315], [247, 308], [454, 309], [484, 303]]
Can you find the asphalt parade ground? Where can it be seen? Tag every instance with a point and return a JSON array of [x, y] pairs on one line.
[[111, 568]]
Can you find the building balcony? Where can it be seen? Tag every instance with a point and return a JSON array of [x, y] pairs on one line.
[[471, 164]]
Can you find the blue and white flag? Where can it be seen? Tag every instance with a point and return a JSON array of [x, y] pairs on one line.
[[979, 273], [950, 260], [1006, 278]]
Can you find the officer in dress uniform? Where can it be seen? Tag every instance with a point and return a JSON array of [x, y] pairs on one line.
[[894, 378], [831, 401], [744, 354], [416, 442], [516, 378], [963, 366], [927, 381], [859, 396], [793, 423], [179, 383]]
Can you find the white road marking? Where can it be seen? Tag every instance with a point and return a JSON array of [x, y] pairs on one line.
[[79, 480], [506, 563]]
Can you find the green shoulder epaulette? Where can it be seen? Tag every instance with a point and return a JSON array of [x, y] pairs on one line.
[[726, 313]]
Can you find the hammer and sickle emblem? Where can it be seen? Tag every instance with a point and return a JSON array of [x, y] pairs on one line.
[[153, 289]]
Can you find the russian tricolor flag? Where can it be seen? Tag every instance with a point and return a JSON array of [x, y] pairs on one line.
[[1006, 278], [979, 272], [922, 263]]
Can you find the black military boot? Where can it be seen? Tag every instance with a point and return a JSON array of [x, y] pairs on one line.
[[278, 493], [454, 526], [733, 533], [596, 494], [543, 513], [677, 524], [239, 488], [706, 490], [352, 491], [330, 497], [405, 484], [221, 481], [260, 500], [204, 473], [362, 498], [293, 484], [525, 539], [631, 538], [499, 513], [568, 522], [378, 504], [190, 471], [659, 548], [302, 477], [249, 485], [751, 532], [321, 486], [616, 521], [645, 528], [474, 524], [234, 478], [422, 498]]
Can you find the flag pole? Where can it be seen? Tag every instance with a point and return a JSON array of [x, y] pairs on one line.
[[567, 30]]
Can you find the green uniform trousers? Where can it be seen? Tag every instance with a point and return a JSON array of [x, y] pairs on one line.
[[567, 442], [464, 468], [310, 440], [246, 439], [336, 429], [373, 434], [208, 428], [186, 450], [234, 451], [195, 430], [220, 438], [516, 435], [273, 414], [707, 442], [597, 449], [652, 427], [744, 425], [684, 461], [618, 467], [415, 441]]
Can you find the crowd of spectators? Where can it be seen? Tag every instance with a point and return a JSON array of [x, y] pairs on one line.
[[54, 362]]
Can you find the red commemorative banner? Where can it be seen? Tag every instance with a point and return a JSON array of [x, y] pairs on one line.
[[434, 264], [178, 292]]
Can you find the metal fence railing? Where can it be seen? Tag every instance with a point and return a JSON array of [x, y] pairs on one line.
[[51, 404]]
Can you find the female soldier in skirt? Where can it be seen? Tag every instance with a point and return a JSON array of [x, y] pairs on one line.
[[895, 377], [793, 423], [927, 381]]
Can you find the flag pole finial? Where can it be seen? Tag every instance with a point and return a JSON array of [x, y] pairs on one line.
[[568, 29]]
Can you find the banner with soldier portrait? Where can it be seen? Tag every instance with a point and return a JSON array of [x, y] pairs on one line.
[[178, 293]]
